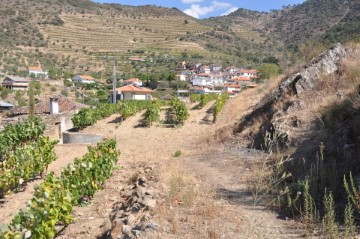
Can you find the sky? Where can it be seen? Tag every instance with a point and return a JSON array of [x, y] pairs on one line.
[[210, 8]]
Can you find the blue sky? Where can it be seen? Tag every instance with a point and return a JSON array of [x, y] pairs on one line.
[[210, 8]]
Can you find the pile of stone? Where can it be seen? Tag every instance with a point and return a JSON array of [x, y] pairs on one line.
[[131, 216]]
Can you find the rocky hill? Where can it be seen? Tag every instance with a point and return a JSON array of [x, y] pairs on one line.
[[311, 123]]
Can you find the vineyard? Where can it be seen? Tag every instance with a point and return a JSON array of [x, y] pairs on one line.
[[25, 153], [219, 105], [202, 99], [89, 116], [205, 99], [52, 205]]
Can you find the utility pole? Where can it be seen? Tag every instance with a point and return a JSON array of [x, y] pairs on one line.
[[114, 85]]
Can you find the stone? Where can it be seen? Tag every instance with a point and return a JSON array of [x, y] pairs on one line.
[[105, 227], [152, 225], [142, 181], [148, 202], [140, 192], [116, 231], [126, 229], [131, 219], [136, 207]]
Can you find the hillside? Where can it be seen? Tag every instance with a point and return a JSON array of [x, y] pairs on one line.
[[328, 21], [67, 37]]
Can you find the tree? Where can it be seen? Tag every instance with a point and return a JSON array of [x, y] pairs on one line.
[[268, 70], [31, 100]]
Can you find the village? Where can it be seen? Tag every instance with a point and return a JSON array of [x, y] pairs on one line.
[[198, 79]]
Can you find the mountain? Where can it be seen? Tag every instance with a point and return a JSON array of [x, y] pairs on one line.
[[69, 36], [328, 21]]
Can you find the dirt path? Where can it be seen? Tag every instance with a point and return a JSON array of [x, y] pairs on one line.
[[214, 167], [16, 201]]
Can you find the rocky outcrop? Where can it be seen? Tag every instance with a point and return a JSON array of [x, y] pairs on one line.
[[284, 98], [132, 215]]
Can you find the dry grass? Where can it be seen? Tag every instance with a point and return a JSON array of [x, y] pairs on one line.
[[188, 211]]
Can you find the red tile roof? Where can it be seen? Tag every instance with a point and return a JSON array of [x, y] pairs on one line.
[[249, 71], [65, 105], [34, 68], [134, 88], [240, 79], [233, 85], [87, 77]]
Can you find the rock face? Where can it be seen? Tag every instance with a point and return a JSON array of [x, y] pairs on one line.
[[327, 63], [284, 98]]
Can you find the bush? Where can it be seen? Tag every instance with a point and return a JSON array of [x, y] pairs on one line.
[[177, 153]]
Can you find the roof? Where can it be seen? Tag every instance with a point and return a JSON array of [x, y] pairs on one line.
[[233, 85], [65, 105], [134, 88], [5, 104], [34, 68], [252, 85], [203, 74], [133, 80], [248, 71], [86, 77], [136, 59], [166, 97], [17, 78], [241, 79]]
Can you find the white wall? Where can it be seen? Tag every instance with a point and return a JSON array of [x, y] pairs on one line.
[[140, 97]]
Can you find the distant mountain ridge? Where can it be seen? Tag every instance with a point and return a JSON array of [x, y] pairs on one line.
[[77, 34]]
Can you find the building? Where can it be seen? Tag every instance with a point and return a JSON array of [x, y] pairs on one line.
[[84, 79], [181, 77], [15, 83], [133, 81], [56, 112], [37, 72], [5, 106], [247, 73], [134, 92]]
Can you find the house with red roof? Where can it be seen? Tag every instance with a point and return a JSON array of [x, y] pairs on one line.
[[232, 88], [37, 72], [134, 92], [85, 79], [133, 81]]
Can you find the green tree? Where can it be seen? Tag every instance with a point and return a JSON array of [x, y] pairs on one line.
[[268, 70]]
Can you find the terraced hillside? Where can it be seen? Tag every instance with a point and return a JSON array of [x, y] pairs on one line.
[[91, 35]]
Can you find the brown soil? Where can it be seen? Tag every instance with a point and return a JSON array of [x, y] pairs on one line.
[[16, 201], [222, 207], [219, 205]]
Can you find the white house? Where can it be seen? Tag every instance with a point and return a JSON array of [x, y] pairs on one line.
[[232, 87], [134, 92], [181, 77], [231, 69], [85, 79], [204, 69], [133, 81], [247, 73], [200, 81], [37, 72], [216, 68]]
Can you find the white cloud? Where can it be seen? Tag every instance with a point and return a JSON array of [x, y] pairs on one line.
[[231, 10], [220, 5], [191, 1], [196, 10]]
